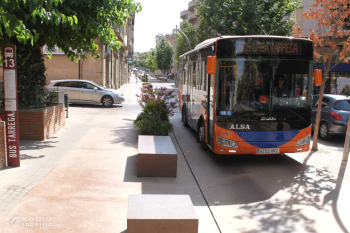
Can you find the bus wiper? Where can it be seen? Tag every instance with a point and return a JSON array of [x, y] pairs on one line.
[[241, 113], [296, 114]]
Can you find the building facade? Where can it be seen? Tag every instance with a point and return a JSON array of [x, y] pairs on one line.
[[108, 71], [190, 14], [340, 74]]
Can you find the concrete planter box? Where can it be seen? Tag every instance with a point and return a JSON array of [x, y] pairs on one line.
[[39, 124], [157, 157]]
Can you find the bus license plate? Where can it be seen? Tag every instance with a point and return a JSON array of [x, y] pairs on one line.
[[269, 151]]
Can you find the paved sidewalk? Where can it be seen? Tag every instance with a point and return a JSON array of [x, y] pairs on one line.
[[37, 159]]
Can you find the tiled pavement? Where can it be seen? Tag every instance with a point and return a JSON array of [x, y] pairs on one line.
[[15, 183]]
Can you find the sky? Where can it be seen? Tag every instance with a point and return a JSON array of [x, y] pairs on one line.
[[156, 17]]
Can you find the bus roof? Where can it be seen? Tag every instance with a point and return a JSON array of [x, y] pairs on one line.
[[212, 40]]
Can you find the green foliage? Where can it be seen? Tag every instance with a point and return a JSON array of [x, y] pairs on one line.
[[30, 77], [237, 17], [144, 78], [164, 53], [69, 24], [148, 60], [182, 45], [153, 124]]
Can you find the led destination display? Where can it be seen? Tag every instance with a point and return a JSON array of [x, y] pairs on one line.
[[256, 46]]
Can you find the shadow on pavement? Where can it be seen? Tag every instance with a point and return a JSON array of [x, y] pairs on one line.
[[126, 134], [36, 145], [280, 215], [24, 157]]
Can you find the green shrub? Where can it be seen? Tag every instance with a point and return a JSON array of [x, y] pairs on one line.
[[145, 78], [153, 124], [157, 109]]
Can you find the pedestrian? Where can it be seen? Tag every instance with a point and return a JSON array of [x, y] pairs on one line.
[[297, 91], [128, 76], [334, 90], [136, 76], [346, 90]]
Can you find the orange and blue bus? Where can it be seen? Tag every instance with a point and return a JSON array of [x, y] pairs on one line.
[[248, 94]]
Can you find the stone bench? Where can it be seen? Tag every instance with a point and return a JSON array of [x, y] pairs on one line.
[[161, 214], [157, 157]]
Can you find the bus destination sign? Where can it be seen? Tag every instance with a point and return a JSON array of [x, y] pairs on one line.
[[268, 47]]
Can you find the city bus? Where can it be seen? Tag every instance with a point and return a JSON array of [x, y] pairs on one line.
[[248, 94]]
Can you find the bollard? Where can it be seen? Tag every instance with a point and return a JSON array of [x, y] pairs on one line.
[[66, 103]]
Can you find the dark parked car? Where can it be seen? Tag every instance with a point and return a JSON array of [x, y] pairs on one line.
[[334, 115]]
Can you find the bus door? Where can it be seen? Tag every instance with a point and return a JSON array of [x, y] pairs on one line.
[[210, 111], [190, 100]]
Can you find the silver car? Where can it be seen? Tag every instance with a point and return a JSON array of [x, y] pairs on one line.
[[334, 115], [87, 92]]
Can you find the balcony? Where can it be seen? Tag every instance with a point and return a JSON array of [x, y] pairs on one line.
[[192, 17], [192, 5], [184, 14], [120, 33], [129, 42]]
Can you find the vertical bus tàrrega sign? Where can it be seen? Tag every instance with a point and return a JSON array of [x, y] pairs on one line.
[[11, 107]]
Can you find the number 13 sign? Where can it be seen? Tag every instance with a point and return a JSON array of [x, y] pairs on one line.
[[11, 112]]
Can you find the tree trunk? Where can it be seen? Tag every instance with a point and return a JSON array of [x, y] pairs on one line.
[[318, 116]]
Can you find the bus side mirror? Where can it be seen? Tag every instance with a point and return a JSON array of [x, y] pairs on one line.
[[318, 77], [211, 65]]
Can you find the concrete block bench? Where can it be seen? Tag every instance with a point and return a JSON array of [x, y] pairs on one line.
[[161, 214], [157, 157]]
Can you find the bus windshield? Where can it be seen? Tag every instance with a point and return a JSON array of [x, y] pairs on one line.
[[262, 84]]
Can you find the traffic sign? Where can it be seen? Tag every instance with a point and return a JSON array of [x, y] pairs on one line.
[[11, 106]]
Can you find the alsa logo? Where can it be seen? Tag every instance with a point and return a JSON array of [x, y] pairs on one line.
[[239, 126], [268, 118]]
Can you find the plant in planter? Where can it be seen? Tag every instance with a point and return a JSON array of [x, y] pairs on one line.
[[145, 78], [157, 108], [147, 84]]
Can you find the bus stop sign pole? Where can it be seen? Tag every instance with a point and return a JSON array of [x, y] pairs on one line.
[[11, 107]]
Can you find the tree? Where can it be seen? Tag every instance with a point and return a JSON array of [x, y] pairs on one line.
[[238, 17], [164, 53], [332, 17], [72, 25], [151, 62], [142, 61], [148, 60], [182, 45]]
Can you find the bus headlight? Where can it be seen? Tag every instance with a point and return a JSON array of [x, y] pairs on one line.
[[226, 142], [304, 141]]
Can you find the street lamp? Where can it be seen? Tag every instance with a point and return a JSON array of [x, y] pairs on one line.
[[184, 35]]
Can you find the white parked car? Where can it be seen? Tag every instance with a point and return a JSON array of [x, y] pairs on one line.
[[87, 92], [141, 74]]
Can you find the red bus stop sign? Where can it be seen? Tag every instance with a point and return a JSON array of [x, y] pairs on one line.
[[11, 107]]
